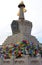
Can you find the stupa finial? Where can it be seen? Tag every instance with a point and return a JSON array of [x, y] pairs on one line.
[[22, 10]]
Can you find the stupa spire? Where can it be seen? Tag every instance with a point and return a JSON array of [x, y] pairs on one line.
[[22, 10]]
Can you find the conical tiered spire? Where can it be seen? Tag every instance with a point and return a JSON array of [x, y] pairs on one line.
[[22, 10]]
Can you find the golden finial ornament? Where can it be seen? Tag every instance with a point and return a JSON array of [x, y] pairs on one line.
[[24, 10], [21, 2], [18, 13]]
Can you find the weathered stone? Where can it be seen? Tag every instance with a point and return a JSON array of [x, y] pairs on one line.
[[21, 29]]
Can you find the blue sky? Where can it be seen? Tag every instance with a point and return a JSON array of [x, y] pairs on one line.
[[9, 10]]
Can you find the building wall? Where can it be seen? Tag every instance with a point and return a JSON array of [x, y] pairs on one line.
[[22, 61]]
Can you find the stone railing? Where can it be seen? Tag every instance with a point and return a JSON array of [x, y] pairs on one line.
[[26, 60], [35, 60]]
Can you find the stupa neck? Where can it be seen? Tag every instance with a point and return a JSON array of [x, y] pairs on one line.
[[21, 16]]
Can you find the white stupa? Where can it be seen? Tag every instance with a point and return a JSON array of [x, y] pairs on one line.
[[21, 29]]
